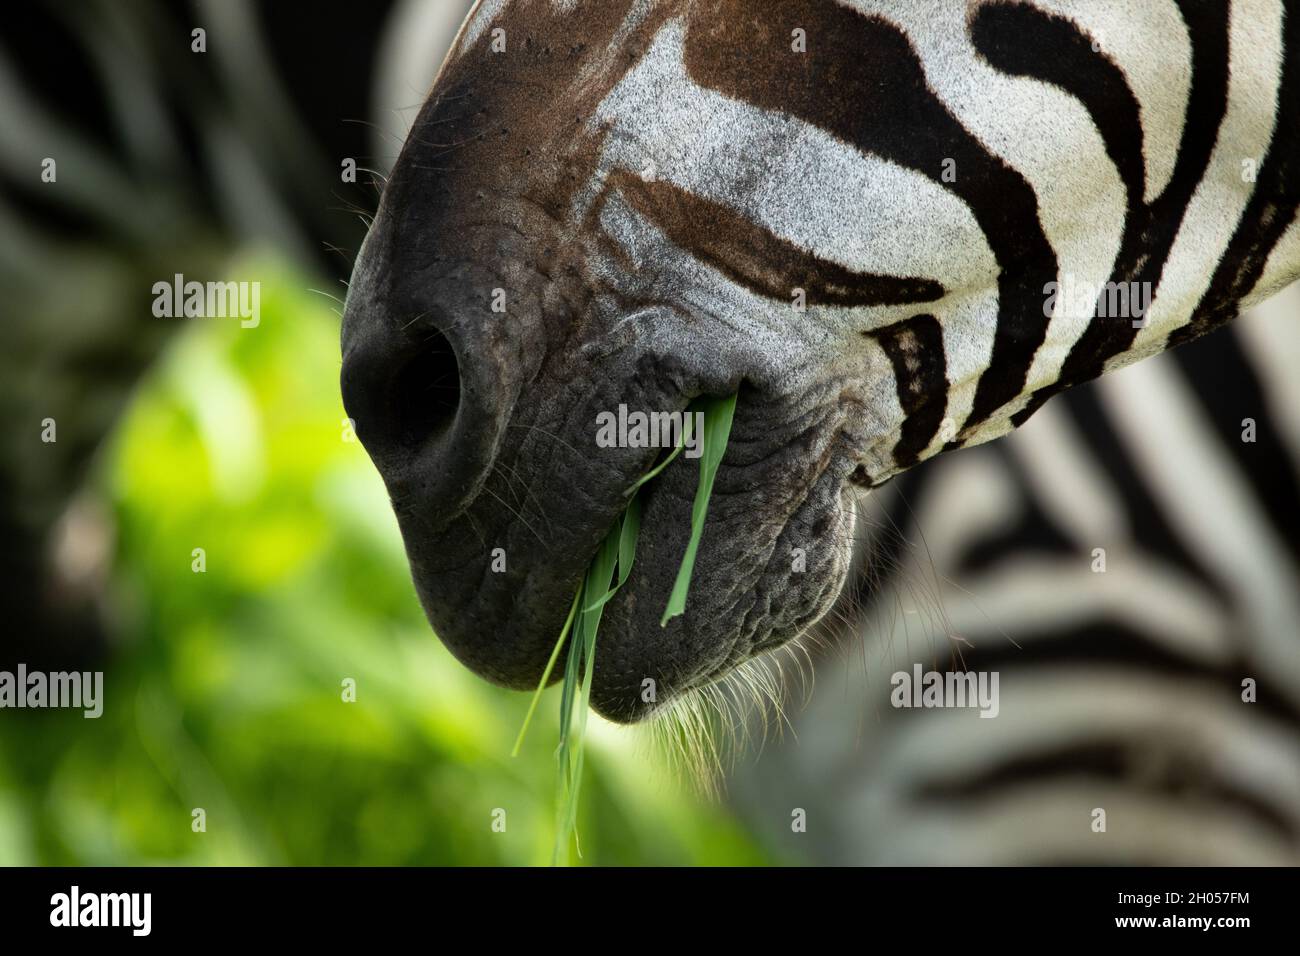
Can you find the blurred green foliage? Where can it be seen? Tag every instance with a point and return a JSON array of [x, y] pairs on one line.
[[225, 690]]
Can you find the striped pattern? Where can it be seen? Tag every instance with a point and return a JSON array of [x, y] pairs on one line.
[[742, 171], [1099, 142], [920, 174], [1120, 689]]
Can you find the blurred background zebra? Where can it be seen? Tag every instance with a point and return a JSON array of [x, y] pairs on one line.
[[1124, 561]]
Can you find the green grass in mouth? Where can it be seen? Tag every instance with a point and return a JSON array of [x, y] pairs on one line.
[[608, 572]]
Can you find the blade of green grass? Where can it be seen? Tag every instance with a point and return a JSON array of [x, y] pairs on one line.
[[546, 674], [718, 415], [609, 571], [627, 537], [582, 656], [688, 427]]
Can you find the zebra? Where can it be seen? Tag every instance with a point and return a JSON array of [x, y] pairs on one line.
[[1121, 678], [848, 824], [860, 215]]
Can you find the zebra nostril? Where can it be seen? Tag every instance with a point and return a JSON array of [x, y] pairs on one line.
[[402, 398], [425, 392]]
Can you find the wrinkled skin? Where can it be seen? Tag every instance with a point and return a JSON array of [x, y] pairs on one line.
[[506, 458]]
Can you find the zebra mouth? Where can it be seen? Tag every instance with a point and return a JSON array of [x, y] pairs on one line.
[[757, 584], [772, 558], [502, 497]]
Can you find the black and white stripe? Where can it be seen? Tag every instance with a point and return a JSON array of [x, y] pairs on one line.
[[1121, 689], [1104, 142]]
